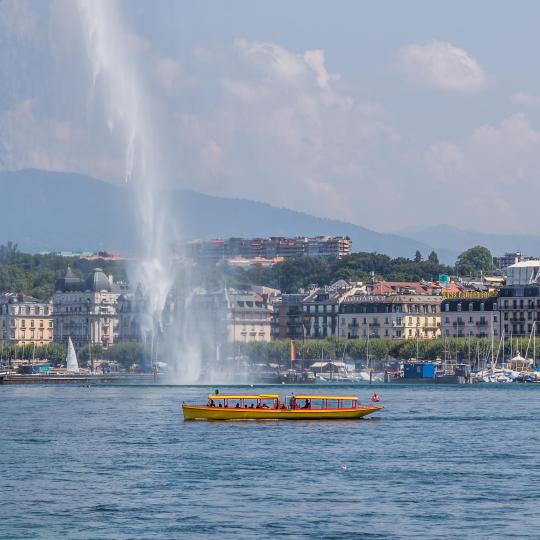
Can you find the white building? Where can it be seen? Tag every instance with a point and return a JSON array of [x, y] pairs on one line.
[[85, 309]]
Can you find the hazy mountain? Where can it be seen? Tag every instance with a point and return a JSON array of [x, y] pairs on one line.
[[65, 211], [454, 239]]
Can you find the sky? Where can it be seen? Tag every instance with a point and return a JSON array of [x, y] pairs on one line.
[[390, 115]]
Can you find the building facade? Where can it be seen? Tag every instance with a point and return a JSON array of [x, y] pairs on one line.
[[288, 317], [25, 320], [519, 300], [230, 316], [268, 249], [470, 317], [85, 310], [396, 316], [321, 309]]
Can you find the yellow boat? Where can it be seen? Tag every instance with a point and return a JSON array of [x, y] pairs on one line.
[[269, 407]]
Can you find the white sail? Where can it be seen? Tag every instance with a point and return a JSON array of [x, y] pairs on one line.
[[71, 358]]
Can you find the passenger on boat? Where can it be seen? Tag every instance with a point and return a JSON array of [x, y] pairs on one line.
[[237, 406], [264, 406], [259, 406], [283, 407], [211, 403], [306, 405], [291, 402], [251, 406], [220, 405]]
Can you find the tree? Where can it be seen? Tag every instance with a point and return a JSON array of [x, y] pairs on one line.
[[433, 258], [418, 256], [474, 260]]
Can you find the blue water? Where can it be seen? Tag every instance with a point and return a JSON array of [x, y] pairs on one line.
[[119, 462]]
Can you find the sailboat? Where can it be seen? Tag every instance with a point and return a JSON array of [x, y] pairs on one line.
[[72, 365]]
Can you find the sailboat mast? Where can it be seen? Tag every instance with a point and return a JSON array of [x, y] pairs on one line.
[[534, 344], [367, 346], [492, 335]]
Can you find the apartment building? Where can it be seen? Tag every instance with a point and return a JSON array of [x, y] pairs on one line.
[[321, 308], [473, 316], [519, 300], [267, 249], [397, 316], [25, 320]]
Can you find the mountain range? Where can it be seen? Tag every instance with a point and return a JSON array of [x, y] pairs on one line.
[[53, 211]]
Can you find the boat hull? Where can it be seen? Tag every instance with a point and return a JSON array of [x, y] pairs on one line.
[[196, 412]]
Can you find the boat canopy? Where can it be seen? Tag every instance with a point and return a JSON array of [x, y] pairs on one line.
[[352, 398], [243, 396]]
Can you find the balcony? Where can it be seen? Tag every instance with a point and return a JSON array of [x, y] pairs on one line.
[[458, 323], [353, 325], [481, 323]]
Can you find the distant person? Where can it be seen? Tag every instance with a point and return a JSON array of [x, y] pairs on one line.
[[220, 405], [264, 406], [237, 406], [251, 406], [291, 402], [306, 405]]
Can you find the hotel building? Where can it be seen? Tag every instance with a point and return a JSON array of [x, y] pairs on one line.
[[25, 320]]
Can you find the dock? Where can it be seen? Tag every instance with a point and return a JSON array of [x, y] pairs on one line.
[[84, 379]]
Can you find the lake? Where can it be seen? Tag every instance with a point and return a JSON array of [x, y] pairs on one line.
[[119, 462]]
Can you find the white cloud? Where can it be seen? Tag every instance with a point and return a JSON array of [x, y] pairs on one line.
[[254, 119], [284, 130], [490, 177], [441, 65], [526, 100]]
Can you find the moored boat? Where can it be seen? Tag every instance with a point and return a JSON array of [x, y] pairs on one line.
[[271, 407]]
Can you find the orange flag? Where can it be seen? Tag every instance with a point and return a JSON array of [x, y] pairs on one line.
[[293, 351]]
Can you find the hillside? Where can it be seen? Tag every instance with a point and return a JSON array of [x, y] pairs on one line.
[[44, 211]]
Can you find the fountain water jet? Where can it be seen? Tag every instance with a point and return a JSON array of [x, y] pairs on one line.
[[115, 76]]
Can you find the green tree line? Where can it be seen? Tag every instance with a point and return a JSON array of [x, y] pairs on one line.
[[301, 272], [382, 350], [36, 274]]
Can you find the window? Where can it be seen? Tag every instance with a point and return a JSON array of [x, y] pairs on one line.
[[470, 306], [459, 307], [482, 306]]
